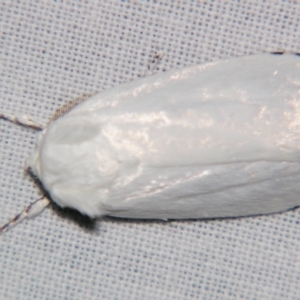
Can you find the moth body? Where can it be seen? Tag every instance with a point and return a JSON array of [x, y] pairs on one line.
[[215, 140]]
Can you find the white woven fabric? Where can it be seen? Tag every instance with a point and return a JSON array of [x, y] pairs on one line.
[[53, 51]]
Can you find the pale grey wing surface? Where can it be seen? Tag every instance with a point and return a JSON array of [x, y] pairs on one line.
[[231, 190]]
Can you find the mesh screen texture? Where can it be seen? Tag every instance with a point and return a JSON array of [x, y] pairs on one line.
[[54, 51]]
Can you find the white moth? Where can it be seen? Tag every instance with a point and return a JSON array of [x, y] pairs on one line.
[[216, 140]]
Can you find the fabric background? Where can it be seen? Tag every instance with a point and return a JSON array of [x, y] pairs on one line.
[[53, 51]]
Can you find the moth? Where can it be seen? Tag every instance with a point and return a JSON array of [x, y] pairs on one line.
[[216, 140]]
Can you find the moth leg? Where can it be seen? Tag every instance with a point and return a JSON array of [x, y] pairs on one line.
[[29, 212], [23, 121], [153, 63]]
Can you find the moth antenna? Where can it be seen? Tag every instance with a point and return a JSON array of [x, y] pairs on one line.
[[29, 212], [61, 111], [23, 121]]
